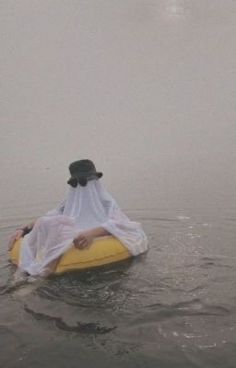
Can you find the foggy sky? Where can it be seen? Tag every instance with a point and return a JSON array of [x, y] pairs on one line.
[[145, 88]]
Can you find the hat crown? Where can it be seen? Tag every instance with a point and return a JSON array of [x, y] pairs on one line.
[[82, 167]]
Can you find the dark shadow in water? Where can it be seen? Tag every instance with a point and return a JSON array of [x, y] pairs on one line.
[[82, 328]]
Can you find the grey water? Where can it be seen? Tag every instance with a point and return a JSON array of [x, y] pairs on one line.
[[145, 88]]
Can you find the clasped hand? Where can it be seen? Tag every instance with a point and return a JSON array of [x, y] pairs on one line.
[[83, 240]]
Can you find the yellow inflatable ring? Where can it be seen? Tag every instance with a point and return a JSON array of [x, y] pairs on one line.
[[103, 251]]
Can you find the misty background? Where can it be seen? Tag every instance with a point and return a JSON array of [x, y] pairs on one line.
[[146, 89]]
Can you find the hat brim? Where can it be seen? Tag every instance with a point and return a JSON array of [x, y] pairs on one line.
[[97, 175], [89, 177]]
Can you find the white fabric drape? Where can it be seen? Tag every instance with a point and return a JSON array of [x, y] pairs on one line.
[[84, 208]]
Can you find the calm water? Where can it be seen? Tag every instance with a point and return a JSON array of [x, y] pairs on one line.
[[147, 90], [174, 307]]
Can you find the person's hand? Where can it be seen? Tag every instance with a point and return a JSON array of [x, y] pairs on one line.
[[83, 240], [17, 235]]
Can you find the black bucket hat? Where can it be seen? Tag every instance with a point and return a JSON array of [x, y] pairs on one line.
[[82, 171]]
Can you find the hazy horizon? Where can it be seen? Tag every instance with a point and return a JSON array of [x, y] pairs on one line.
[[144, 88]]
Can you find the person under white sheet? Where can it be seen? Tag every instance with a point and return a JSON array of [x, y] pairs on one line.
[[88, 212]]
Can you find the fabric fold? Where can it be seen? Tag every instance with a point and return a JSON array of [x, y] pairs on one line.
[[84, 208]]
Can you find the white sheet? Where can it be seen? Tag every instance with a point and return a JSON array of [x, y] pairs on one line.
[[84, 208]]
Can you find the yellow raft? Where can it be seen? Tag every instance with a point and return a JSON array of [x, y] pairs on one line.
[[103, 251]]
